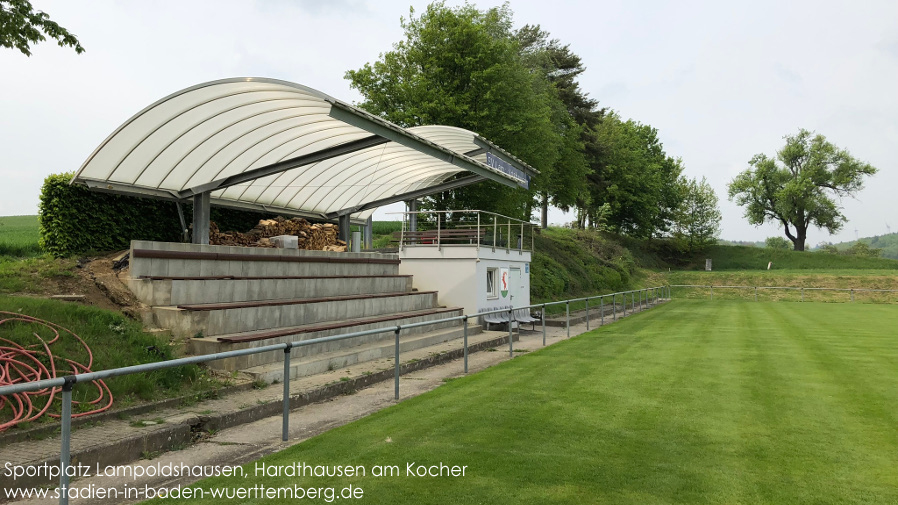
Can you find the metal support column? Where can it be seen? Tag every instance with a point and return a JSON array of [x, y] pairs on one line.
[[543, 318], [602, 309], [510, 334], [567, 315], [396, 367], [587, 314], [285, 425], [369, 233], [464, 321], [412, 217], [344, 228], [66, 432], [201, 217], [185, 232]]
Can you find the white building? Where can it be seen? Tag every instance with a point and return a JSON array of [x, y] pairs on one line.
[[481, 261]]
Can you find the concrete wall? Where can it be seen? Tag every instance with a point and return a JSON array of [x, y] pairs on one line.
[[207, 267]]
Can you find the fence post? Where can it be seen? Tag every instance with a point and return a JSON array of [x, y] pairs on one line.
[[624, 304], [544, 324], [396, 365], [587, 313], [756, 293], [567, 315], [802, 294], [285, 422], [602, 309], [614, 306], [510, 334], [465, 322], [66, 442], [852, 295], [712, 292]]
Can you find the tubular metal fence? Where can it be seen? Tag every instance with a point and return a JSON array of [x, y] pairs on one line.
[[644, 298]]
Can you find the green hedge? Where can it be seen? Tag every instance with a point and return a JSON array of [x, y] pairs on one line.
[[75, 220]]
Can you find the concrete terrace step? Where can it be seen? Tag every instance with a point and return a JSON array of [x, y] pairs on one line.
[[264, 335], [235, 317], [207, 345], [335, 360], [184, 260], [162, 290]]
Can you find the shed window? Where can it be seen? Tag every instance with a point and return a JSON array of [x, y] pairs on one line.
[[491, 274]]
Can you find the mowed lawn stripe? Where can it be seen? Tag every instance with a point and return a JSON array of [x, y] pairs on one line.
[[853, 368], [692, 402]]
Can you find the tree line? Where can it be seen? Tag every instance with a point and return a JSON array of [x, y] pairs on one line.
[[470, 68]]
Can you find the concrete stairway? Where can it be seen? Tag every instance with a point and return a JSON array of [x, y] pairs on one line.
[[221, 298]]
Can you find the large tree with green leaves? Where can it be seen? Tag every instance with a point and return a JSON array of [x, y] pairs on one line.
[[635, 177], [574, 116], [463, 67], [697, 221], [21, 26], [801, 190]]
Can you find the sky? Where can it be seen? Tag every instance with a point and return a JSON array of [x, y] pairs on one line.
[[721, 81]]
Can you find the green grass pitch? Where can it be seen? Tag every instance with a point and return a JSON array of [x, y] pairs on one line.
[[724, 402]]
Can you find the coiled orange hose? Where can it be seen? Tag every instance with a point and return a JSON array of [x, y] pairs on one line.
[[37, 362]]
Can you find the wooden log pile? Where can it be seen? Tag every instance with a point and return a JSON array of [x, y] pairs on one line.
[[315, 237]]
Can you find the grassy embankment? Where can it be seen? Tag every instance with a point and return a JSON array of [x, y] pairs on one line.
[[25, 270], [747, 266], [692, 402], [99, 329]]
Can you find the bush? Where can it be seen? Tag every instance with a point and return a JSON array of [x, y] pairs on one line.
[[778, 243], [75, 220], [863, 250]]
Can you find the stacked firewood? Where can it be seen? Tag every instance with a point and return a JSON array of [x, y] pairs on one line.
[[316, 237]]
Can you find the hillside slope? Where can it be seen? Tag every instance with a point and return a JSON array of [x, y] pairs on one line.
[[888, 243]]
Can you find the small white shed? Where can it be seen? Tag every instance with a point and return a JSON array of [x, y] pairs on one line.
[[479, 261]]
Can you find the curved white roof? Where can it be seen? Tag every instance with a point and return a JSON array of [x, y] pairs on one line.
[[281, 147]]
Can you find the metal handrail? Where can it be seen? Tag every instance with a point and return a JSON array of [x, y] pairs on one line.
[[67, 383], [438, 240]]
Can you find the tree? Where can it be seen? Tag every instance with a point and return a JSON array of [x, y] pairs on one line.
[[864, 250], [463, 67], [21, 26], [800, 192], [777, 243], [634, 176], [562, 183], [697, 223]]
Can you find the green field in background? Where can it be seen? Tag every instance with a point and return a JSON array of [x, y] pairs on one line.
[[19, 236]]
